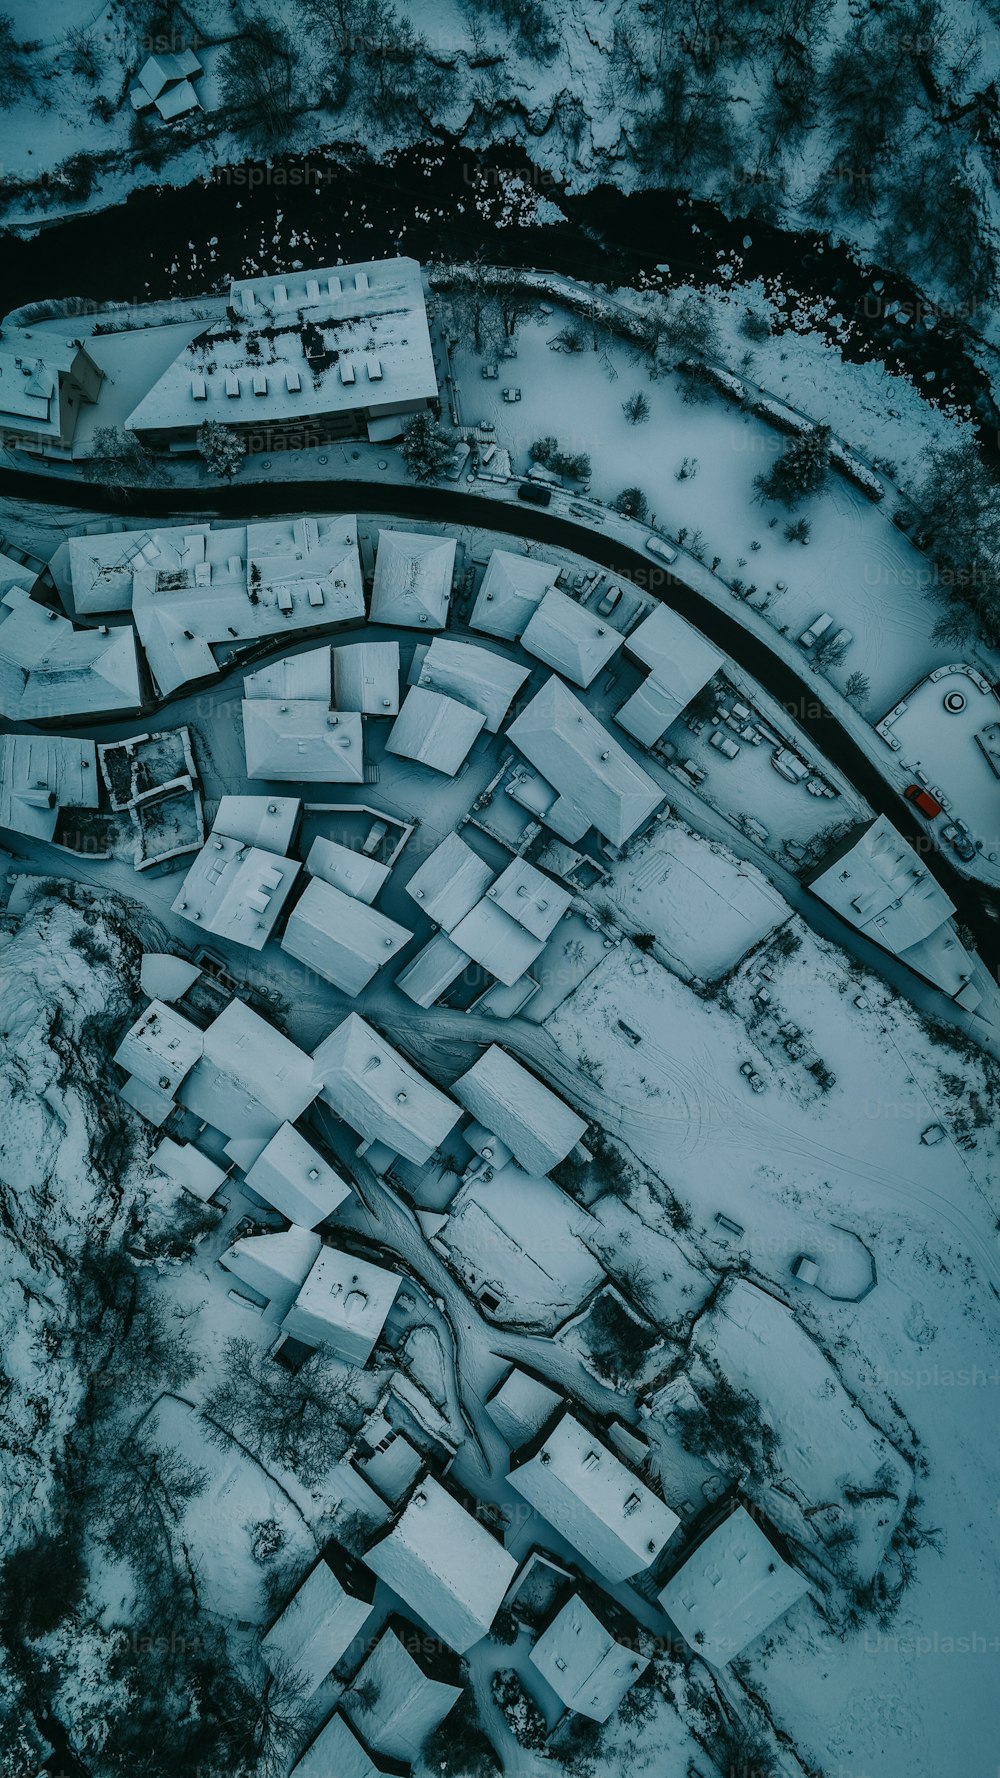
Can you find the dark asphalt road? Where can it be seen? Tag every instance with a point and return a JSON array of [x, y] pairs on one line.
[[453, 506]]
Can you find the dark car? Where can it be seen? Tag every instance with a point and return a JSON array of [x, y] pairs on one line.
[[923, 800], [534, 493]]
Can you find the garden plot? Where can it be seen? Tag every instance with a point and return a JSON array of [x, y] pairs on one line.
[[218, 1525], [615, 1342], [856, 565], [706, 907]]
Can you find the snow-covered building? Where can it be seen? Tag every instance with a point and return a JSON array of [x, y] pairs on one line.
[[596, 1503], [512, 587], [681, 663], [274, 1267], [874, 880], [161, 1048], [581, 1659], [342, 1305], [185, 1165], [508, 928], [380, 1095], [342, 939], [594, 782], [44, 381], [290, 1175], [450, 882], [519, 1245], [536, 1126], [165, 82], [519, 1406], [49, 669], [433, 970], [41, 774], [336, 352], [266, 821], [366, 678], [481, 677], [413, 575], [403, 1691], [444, 1565], [574, 641], [434, 730], [345, 869], [300, 741], [235, 890], [336, 1752], [250, 1078], [732, 1585], [321, 1620], [298, 678]]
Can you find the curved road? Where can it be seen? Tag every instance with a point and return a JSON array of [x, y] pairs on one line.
[[453, 506]]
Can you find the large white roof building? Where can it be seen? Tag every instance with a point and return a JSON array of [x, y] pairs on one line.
[[449, 883], [48, 669], [289, 1174], [338, 351], [251, 1078], [161, 1047], [413, 575], [595, 783], [732, 1586], [236, 891], [681, 662], [317, 1626], [342, 939], [380, 1095], [568, 637], [404, 1690], [342, 1305], [537, 1127], [444, 1565], [588, 1495], [366, 678]]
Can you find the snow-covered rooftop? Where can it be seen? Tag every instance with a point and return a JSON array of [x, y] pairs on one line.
[[317, 1626], [680, 660], [342, 939], [275, 1266], [297, 677], [432, 970], [568, 637], [537, 902], [187, 1166], [266, 821], [501, 946], [347, 870], [402, 1692], [435, 731], [582, 1662], [49, 669], [413, 575], [310, 343], [520, 1407], [574, 752], [337, 1753], [39, 775], [289, 1174], [474, 675], [449, 883], [366, 678], [511, 589], [302, 740], [380, 1095], [537, 1127], [236, 890], [160, 1048], [599, 1506], [445, 1566], [731, 1587], [342, 1305], [250, 1078]]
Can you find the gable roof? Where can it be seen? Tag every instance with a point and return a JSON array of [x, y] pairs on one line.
[[236, 890], [537, 1127], [434, 730], [161, 1048], [302, 739], [480, 677], [266, 821], [432, 970], [499, 945], [414, 1690], [251, 1078], [599, 1506], [317, 1626], [39, 775], [366, 678], [449, 883], [732, 1586], [511, 588], [289, 1174], [275, 1266], [346, 869], [413, 574], [444, 1565], [576, 755], [296, 677], [379, 1094], [49, 669], [582, 1662], [535, 901], [565, 635], [343, 939], [336, 1752]]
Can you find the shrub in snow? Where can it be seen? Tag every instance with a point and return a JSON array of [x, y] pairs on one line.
[[460, 1747], [119, 460], [524, 1719], [221, 449], [632, 504], [798, 531], [303, 1419], [426, 448], [727, 1426], [801, 470], [257, 79], [266, 1539], [636, 408]]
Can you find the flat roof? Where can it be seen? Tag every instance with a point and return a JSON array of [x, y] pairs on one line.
[[366, 678], [449, 883], [346, 869], [236, 890]]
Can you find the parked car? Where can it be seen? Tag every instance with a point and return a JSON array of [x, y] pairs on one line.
[[656, 547], [842, 640], [725, 743], [923, 800], [958, 841], [376, 834], [817, 628], [538, 473], [788, 765], [535, 495], [611, 598], [750, 1075]]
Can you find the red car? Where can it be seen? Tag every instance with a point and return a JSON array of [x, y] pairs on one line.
[[925, 802]]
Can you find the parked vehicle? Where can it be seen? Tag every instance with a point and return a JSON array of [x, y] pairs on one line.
[[376, 834], [789, 765], [958, 841], [656, 547], [538, 473], [727, 1223], [535, 495], [923, 800], [725, 743], [755, 1081], [817, 628], [611, 598], [842, 640]]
